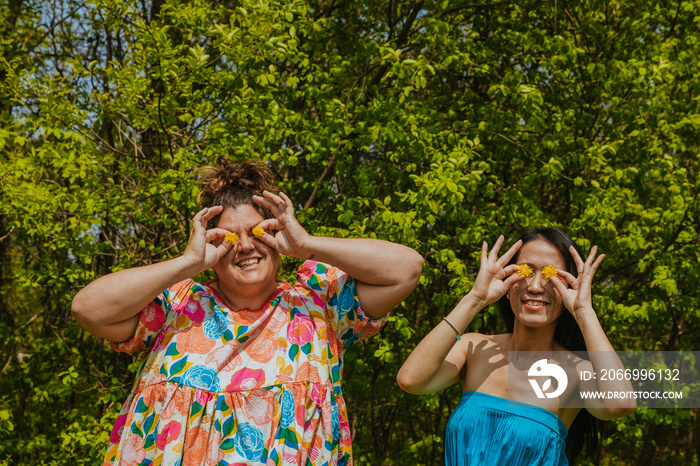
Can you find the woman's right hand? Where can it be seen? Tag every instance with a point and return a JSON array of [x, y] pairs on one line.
[[490, 285], [206, 247]]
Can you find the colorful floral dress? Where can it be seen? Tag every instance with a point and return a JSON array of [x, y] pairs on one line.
[[247, 387]]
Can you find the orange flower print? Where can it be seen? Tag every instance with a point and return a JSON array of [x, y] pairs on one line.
[[278, 318], [179, 401], [262, 348], [259, 406], [245, 317], [332, 277], [195, 446], [193, 340], [153, 394], [307, 372]]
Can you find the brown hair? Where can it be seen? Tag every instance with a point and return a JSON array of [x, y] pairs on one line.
[[230, 184]]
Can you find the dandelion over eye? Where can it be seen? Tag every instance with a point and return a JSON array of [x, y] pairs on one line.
[[231, 238], [258, 231], [549, 271], [524, 270]]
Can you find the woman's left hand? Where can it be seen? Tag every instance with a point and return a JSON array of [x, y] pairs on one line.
[[291, 237], [576, 291]]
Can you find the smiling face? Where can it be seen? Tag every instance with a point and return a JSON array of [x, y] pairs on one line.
[[534, 300], [247, 272]]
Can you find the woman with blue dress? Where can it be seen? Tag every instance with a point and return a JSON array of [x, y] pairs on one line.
[[509, 413]]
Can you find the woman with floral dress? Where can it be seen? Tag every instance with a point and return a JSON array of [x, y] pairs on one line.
[[244, 369]]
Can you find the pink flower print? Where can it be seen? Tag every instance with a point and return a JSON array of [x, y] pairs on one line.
[[226, 357], [118, 428], [345, 434], [259, 406], [306, 271], [318, 394], [203, 396], [169, 433], [300, 414], [193, 311], [246, 379], [300, 330], [214, 453], [290, 458], [152, 317], [132, 451]]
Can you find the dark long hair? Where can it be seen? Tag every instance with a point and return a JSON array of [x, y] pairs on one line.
[[585, 432]]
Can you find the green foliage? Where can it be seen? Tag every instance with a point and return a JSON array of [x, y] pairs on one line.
[[434, 124]]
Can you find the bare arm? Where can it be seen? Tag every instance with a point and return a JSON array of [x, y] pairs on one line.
[[437, 361], [385, 272], [576, 293], [109, 306]]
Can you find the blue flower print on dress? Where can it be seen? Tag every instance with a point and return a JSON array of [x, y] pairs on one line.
[[216, 325], [335, 421], [346, 300], [249, 442], [287, 409], [202, 377]]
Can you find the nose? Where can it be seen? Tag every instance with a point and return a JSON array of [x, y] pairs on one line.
[[245, 243], [535, 283]]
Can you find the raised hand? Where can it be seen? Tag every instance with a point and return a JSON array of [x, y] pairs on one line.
[[576, 291], [489, 285], [206, 247], [291, 237]]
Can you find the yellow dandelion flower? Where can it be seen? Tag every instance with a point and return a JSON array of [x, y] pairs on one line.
[[549, 271], [524, 270], [231, 238], [258, 231]]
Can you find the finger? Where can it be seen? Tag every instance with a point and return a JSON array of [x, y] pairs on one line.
[[595, 265], [270, 224], [559, 284], [510, 269], [277, 200], [265, 202], [591, 256], [510, 253], [577, 259], [215, 233], [566, 277], [496, 247], [197, 219], [484, 253], [510, 281]]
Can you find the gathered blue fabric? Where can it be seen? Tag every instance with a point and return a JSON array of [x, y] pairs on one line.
[[489, 430]]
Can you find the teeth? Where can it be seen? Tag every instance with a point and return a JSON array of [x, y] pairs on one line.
[[247, 262], [534, 303]]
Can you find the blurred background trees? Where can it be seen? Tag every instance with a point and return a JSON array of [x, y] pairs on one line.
[[437, 124]]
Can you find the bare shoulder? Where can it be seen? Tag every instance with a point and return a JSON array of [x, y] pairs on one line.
[[479, 342]]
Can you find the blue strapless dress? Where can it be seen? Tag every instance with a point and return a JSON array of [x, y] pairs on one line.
[[489, 430]]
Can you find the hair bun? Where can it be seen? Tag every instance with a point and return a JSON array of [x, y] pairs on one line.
[[230, 184]]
